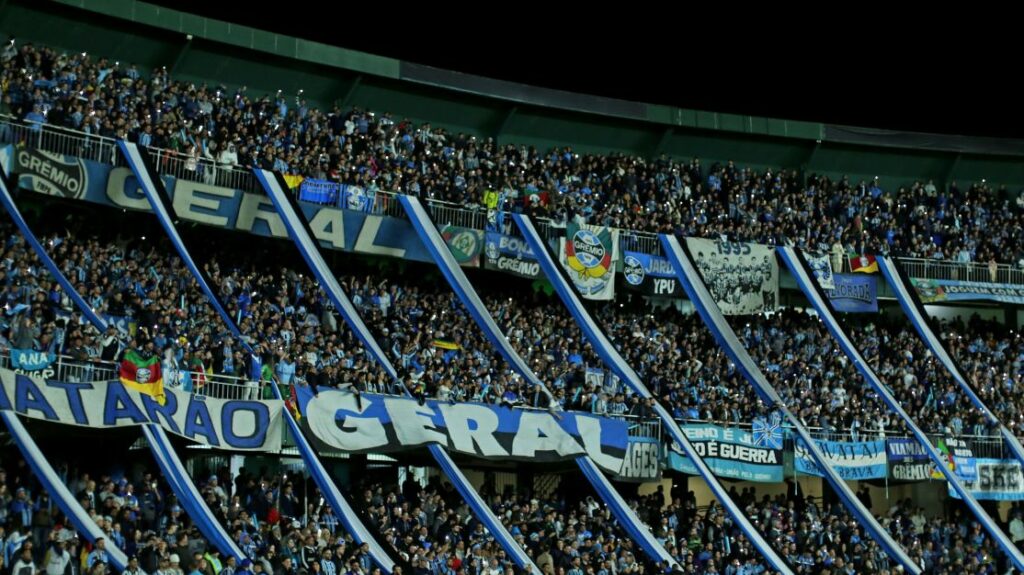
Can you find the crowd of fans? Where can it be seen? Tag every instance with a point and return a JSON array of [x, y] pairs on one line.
[[217, 130], [442, 354], [284, 528], [299, 339], [685, 367]]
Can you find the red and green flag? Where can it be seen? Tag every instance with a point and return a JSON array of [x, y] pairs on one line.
[[143, 375], [292, 403]]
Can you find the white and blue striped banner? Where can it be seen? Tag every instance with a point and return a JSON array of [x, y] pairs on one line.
[[298, 229], [817, 298], [59, 492], [187, 494], [914, 310], [154, 190], [705, 304], [603, 346]]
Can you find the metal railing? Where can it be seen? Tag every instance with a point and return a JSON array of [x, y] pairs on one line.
[[58, 140], [984, 446], [65, 368], [962, 271], [644, 428], [69, 142], [200, 169]]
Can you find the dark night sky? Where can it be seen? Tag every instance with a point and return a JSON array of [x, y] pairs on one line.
[[903, 79]]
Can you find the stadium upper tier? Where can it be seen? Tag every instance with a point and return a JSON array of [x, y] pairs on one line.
[[216, 135]]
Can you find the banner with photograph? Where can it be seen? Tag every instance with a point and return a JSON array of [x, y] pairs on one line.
[[742, 277]]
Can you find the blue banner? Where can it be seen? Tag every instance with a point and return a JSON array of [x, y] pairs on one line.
[[510, 254], [850, 459], [652, 275], [31, 360], [338, 229], [732, 453], [854, 293], [341, 420], [908, 461], [937, 291], [358, 198]]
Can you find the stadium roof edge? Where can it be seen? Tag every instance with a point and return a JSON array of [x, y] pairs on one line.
[[669, 116]]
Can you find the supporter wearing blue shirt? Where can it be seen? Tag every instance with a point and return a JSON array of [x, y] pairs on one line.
[[285, 370], [98, 554]]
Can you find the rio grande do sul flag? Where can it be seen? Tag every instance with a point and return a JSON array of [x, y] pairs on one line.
[[143, 375], [864, 264]]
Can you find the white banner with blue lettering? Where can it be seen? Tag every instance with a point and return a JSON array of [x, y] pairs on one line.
[[850, 459], [991, 479], [220, 423], [341, 420]]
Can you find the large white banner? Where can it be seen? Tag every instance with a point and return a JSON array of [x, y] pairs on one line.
[[221, 423], [375, 423], [742, 277]]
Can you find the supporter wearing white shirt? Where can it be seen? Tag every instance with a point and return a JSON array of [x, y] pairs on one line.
[[1017, 529], [24, 564], [57, 558]]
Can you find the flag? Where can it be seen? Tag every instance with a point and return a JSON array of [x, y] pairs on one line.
[[491, 199], [768, 431], [950, 463], [445, 344], [864, 264], [292, 403], [358, 198], [495, 203], [143, 375], [588, 253], [293, 181], [31, 360], [198, 371], [822, 268]]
